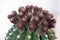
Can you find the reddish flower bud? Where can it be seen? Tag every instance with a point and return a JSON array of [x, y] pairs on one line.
[[49, 16], [36, 19], [40, 15], [24, 19], [53, 20], [27, 8], [22, 9], [9, 16], [40, 9], [52, 23], [45, 12], [36, 8], [19, 25], [14, 13], [45, 23], [13, 20], [30, 8], [29, 14], [21, 14], [32, 26], [45, 29]]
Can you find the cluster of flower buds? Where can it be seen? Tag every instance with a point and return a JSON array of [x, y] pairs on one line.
[[32, 17]]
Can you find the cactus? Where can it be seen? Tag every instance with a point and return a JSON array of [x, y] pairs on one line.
[[31, 23]]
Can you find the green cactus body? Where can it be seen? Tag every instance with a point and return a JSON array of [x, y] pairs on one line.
[[14, 34]]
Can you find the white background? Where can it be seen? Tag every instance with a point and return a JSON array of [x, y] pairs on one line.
[[6, 6]]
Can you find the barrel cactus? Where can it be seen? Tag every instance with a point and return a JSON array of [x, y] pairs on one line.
[[31, 23]]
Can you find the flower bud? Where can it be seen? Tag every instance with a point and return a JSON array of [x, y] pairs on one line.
[[21, 14], [22, 9], [14, 20], [9, 16], [45, 29], [14, 13], [36, 19], [19, 25], [24, 19], [33, 26], [49, 16], [53, 20], [45, 12], [45, 23]]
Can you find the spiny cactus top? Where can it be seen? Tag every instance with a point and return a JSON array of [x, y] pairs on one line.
[[31, 23]]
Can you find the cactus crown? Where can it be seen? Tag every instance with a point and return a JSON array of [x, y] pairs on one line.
[[31, 23]]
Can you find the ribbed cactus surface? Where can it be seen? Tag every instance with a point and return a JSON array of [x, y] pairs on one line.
[[15, 34], [31, 23]]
